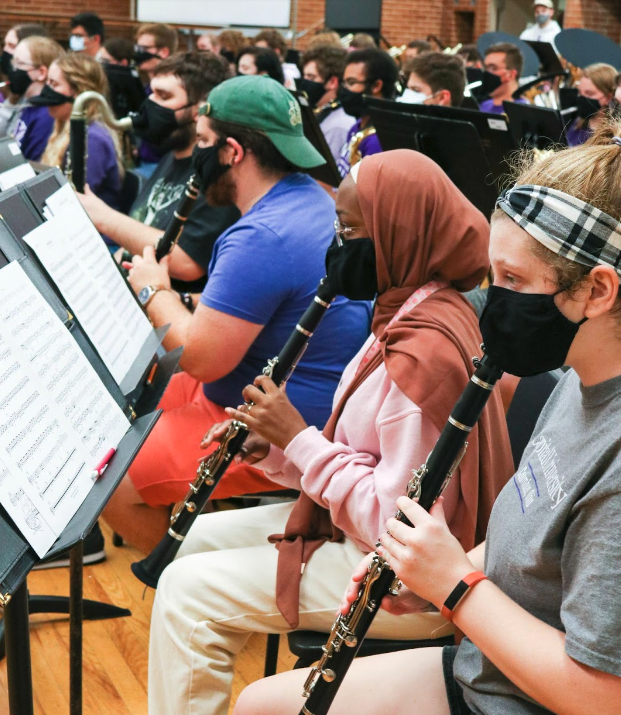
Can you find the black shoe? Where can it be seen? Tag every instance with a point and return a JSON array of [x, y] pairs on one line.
[[94, 552]]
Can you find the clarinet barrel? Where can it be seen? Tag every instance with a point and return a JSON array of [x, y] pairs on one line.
[[213, 468], [174, 229], [427, 483]]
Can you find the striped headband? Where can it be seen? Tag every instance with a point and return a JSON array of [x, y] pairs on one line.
[[564, 224]]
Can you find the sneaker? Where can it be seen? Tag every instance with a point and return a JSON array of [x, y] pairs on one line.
[[94, 552]]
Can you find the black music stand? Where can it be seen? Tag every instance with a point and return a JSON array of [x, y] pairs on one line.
[[327, 173], [535, 127], [550, 62], [18, 558], [23, 210], [454, 145], [493, 129]]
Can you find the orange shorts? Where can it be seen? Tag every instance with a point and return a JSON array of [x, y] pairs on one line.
[[169, 458]]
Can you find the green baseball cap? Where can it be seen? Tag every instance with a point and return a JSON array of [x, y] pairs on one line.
[[261, 103]]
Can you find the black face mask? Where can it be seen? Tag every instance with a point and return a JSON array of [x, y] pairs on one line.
[[51, 98], [228, 56], [154, 122], [5, 62], [206, 164], [19, 81], [525, 333], [351, 269], [313, 90], [141, 56], [352, 102], [587, 107]]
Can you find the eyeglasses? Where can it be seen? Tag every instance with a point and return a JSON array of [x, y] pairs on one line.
[[17, 65], [352, 82], [342, 233]]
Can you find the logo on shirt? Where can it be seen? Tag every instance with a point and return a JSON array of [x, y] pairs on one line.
[[527, 486], [161, 196], [548, 461]]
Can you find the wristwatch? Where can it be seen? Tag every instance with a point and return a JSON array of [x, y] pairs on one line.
[[147, 293]]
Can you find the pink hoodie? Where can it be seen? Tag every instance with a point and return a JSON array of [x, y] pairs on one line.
[[380, 437]]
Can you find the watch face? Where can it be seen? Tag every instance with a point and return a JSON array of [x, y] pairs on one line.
[[144, 294]]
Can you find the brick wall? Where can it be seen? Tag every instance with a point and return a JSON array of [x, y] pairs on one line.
[[603, 16], [402, 20]]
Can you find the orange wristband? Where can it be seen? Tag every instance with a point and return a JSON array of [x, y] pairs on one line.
[[459, 592]]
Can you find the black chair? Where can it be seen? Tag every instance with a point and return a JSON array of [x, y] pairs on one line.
[[130, 188], [530, 396]]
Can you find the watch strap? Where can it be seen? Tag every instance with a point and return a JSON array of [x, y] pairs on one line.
[[455, 596]]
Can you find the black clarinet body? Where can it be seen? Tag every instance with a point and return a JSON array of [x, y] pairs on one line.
[[427, 483], [78, 132], [76, 169], [174, 229], [213, 468]]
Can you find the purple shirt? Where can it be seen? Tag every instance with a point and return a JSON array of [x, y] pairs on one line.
[[369, 145], [32, 131], [491, 108], [576, 134]]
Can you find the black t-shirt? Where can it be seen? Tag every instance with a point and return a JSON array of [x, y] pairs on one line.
[[155, 206]]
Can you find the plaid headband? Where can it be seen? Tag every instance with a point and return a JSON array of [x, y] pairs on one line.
[[564, 224]]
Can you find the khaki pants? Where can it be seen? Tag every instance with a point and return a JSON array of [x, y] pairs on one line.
[[221, 589]]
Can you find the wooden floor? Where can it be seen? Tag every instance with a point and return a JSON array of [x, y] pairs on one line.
[[115, 651]]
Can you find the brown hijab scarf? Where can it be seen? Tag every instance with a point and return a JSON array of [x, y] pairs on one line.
[[423, 228]]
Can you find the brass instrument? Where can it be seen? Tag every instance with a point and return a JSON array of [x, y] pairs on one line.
[[346, 40], [354, 144], [452, 50], [78, 147]]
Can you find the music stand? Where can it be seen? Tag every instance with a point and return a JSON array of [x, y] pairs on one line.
[[17, 557], [327, 173], [454, 145], [535, 127], [492, 129], [550, 62], [13, 165]]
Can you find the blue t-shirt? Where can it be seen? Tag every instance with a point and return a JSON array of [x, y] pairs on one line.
[[265, 269], [33, 131]]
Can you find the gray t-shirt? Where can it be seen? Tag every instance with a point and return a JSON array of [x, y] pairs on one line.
[[554, 540]]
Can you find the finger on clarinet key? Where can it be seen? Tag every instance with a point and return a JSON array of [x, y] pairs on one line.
[[127, 265]]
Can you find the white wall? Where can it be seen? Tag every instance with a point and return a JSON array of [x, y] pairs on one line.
[[257, 13]]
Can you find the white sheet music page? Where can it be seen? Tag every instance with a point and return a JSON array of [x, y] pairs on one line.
[[57, 419], [78, 261]]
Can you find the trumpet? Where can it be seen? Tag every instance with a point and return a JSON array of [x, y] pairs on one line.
[[78, 147]]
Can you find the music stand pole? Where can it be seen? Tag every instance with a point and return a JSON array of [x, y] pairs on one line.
[[17, 635], [75, 627]]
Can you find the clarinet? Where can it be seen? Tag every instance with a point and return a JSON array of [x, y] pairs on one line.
[[169, 238], [78, 146], [212, 469], [427, 483]]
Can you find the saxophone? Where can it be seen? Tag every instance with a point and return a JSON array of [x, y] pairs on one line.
[[354, 144]]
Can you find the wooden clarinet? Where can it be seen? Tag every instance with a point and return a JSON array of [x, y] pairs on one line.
[[213, 468], [427, 483], [173, 231], [78, 145]]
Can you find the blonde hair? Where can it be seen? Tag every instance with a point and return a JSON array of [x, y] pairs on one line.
[[83, 73], [603, 76], [590, 172], [324, 38], [43, 50]]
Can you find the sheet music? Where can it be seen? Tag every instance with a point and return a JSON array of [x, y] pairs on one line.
[[78, 261], [14, 176], [57, 419]]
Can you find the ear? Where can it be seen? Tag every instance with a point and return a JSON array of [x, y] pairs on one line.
[[376, 87], [164, 52], [603, 292], [444, 98], [332, 83], [233, 152], [194, 111], [41, 74]]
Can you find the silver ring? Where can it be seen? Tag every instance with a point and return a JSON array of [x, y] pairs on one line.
[[249, 408]]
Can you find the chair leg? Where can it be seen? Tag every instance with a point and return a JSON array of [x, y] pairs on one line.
[[271, 654]]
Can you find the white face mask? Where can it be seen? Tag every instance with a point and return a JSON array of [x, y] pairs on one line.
[[76, 43], [409, 96]]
